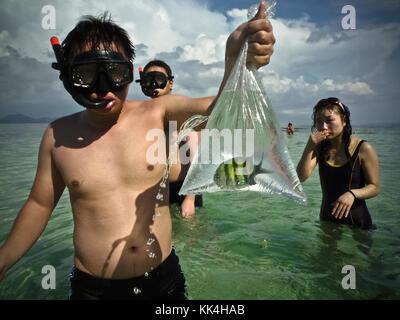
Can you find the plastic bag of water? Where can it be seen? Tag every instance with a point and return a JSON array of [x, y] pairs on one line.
[[242, 147]]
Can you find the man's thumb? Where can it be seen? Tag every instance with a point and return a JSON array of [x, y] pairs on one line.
[[262, 11]]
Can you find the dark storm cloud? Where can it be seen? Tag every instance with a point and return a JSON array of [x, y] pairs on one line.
[[30, 86]]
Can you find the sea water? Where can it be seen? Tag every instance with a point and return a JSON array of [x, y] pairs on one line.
[[240, 245]]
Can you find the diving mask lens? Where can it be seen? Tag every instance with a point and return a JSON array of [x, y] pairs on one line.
[[88, 68], [118, 73], [83, 75], [161, 80], [154, 80]]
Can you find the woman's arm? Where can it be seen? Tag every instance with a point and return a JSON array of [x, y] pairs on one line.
[[370, 166], [308, 160]]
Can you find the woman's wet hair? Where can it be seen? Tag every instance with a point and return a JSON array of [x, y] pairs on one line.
[[333, 103], [95, 32]]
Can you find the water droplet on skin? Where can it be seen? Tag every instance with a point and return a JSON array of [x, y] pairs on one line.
[[159, 196], [136, 290]]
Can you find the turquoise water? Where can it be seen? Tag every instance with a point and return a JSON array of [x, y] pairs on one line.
[[241, 245]]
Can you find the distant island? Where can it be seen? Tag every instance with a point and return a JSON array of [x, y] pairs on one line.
[[21, 118]]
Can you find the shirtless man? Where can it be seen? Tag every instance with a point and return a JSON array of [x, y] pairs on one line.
[[156, 81], [122, 224]]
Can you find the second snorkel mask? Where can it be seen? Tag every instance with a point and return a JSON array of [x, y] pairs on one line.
[[98, 71], [151, 81]]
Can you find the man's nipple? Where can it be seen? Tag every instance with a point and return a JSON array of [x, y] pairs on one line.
[[75, 184]]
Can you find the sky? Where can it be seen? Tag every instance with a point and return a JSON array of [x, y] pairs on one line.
[[314, 56]]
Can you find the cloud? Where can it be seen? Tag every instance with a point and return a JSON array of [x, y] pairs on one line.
[[31, 87], [205, 49], [161, 26], [4, 47], [296, 112], [282, 85], [240, 14], [303, 47], [158, 30], [310, 60], [357, 87]]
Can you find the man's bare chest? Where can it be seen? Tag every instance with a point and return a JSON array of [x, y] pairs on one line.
[[115, 160]]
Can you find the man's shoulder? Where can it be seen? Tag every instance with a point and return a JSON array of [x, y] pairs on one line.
[[145, 107], [66, 119], [61, 126], [134, 104]]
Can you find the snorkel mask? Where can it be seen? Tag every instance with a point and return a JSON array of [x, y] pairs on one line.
[[95, 71], [151, 81]]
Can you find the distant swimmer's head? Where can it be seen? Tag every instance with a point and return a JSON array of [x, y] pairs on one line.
[[96, 66], [332, 116], [156, 79]]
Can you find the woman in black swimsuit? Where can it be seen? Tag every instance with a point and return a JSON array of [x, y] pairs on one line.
[[348, 166]]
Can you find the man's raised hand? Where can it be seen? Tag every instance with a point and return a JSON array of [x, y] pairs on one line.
[[260, 37]]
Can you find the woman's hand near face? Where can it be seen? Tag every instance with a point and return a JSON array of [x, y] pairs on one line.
[[317, 137]]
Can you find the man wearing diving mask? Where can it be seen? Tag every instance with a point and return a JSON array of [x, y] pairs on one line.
[[156, 80], [100, 72], [94, 71], [122, 224]]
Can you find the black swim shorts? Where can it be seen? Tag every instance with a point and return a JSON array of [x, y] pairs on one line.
[[165, 282]]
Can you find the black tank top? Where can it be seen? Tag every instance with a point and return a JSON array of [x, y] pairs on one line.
[[337, 180]]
